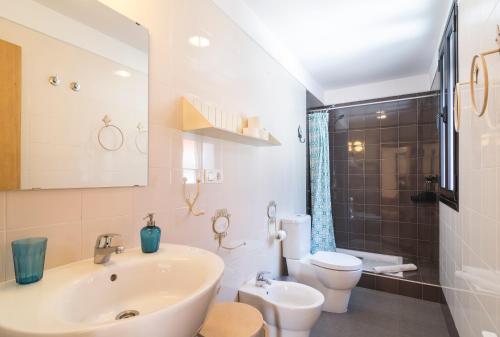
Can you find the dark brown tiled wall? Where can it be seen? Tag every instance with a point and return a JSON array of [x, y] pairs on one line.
[[402, 287], [379, 164]]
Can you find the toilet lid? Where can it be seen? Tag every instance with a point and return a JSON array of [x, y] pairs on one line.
[[336, 261]]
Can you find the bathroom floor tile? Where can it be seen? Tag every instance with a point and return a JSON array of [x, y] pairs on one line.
[[378, 314]]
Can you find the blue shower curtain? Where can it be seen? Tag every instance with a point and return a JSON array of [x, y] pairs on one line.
[[322, 237]]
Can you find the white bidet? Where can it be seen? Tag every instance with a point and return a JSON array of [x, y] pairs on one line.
[[290, 309]]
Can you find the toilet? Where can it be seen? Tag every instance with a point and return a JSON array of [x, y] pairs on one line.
[[333, 274]]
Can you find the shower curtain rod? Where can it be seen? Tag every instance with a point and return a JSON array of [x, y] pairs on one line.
[[327, 108]]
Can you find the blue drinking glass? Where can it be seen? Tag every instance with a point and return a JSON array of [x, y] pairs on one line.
[[29, 259]]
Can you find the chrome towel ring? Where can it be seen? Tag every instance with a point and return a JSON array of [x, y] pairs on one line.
[[107, 124]]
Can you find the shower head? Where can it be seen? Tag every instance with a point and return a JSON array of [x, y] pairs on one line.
[[337, 118]]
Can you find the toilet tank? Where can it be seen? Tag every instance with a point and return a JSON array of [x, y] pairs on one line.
[[298, 236]]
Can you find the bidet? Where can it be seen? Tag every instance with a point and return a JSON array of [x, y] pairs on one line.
[[290, 309]]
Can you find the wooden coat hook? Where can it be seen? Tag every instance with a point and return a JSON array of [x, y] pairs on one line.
[[191, 202]]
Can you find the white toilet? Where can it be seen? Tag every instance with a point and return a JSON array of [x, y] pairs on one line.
[[334, 274]]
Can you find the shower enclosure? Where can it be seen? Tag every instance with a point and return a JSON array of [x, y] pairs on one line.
[[384, 158]]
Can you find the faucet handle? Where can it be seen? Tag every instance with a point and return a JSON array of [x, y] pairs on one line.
[[261, 275], [104, 240]]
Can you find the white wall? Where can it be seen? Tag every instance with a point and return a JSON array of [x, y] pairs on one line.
[[401, 86], [241, 14], [470, 239], [236, 74]]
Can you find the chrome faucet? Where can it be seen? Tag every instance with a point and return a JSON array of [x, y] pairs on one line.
[[103, 248], [261, 280]]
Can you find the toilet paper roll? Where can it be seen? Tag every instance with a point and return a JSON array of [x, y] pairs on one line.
[[280, 236], [253, 122], [252, 132]]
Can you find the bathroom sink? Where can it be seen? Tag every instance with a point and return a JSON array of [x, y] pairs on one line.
[[166, 294]]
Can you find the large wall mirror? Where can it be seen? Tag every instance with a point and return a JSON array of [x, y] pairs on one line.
[[73, 96]]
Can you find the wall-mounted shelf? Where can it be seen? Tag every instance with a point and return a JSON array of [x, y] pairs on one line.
[[194, 121]]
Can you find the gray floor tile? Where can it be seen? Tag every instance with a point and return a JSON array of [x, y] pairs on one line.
[[378, 314]]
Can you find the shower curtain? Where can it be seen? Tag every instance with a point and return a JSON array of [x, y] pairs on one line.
[[322, 237]]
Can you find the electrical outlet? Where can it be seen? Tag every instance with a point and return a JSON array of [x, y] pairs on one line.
[[213, 176]]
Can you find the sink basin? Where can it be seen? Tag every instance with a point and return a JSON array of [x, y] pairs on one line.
[[164, 294]]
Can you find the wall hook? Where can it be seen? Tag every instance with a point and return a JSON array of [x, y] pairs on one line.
[[191, 202], [301, 137], [54, 80], [75, 86]]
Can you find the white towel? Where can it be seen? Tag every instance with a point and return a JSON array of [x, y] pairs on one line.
[[395, 268]]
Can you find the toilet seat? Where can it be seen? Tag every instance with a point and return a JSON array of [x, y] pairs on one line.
[[336, 261]]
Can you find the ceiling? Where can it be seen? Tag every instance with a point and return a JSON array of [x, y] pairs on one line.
[[344, 43]]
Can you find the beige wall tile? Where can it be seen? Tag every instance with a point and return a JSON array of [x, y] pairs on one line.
[[107, 202], [64, 244], [26, 209], [157, 195]]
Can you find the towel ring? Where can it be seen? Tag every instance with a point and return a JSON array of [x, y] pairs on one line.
[[107, 124], [481, 57], [140, 130]]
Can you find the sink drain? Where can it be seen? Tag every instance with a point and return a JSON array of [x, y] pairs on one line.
[[127, 314]]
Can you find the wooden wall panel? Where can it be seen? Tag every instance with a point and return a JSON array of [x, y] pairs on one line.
[[10, 116]]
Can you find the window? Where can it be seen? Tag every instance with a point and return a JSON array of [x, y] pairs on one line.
[[448, 138]]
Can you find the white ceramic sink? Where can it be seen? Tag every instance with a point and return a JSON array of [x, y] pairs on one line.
[[171, 289]]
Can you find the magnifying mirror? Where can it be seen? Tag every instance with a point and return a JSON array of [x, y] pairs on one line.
[[220, 222]]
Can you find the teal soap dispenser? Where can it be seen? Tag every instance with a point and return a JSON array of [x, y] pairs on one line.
[[150, 235]]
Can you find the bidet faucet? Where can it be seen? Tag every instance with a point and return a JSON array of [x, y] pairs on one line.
[[103, 248], [261, 280]]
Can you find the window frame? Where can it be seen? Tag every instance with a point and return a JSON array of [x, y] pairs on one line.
[[448, 137]]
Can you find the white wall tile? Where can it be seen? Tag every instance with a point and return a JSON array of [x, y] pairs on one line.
[[471, 239]]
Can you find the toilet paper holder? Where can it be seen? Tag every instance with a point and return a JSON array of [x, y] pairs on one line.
[[272, 225]]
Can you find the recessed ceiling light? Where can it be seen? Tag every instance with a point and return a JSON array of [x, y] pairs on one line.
[[199, 41], [123, 73]]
